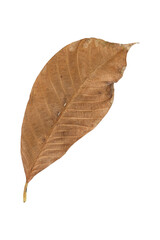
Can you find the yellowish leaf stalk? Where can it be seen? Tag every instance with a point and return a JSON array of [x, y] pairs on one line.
[[25, 192]]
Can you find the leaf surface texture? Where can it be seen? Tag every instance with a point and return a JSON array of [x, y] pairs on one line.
[[70, 96]]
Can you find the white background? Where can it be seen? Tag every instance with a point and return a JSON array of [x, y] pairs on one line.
[[107, 186]]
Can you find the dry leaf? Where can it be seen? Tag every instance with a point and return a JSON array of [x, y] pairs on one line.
[[70, 96]]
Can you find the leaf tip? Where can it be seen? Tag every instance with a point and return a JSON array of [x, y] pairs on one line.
[[128, 46]]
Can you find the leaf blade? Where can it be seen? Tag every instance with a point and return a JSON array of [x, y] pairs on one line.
[[76, 83]]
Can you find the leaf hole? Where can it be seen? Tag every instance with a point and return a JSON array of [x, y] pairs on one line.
[[43, 140]]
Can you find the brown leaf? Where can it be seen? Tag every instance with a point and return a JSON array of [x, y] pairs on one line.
[[70, 96]]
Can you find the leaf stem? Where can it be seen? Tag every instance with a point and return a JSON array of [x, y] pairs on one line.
[[25, 192]]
